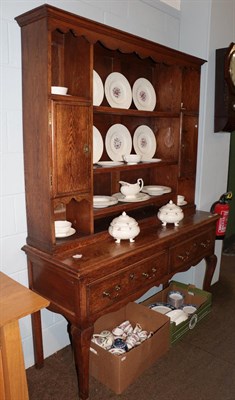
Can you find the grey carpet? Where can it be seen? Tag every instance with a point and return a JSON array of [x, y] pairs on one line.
[[201, 366]]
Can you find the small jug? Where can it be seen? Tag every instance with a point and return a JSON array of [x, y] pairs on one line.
[[131, 189]]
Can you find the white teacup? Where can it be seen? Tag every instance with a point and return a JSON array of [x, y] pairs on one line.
[[62, 227], [59, 90], [143, 335], [180, 199], [118, 331], [104, 339]]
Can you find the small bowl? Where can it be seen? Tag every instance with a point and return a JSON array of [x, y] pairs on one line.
[[189, 309], [59, 90], [132, 158], [154, 191], [62, 226]]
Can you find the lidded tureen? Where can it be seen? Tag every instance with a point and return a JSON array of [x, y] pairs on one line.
[[124, 227], [170, 213]]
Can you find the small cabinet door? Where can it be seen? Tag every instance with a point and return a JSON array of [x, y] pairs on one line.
[[71, 149]]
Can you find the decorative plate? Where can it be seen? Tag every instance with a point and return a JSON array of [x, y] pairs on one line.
[[162, 308], [118, 91], [150, 160], [98, 89], [98, 145], [118, 142], [144, 95], [158, 188], [63, 235], [144, 142], [110, 163], [153, 191], [138, 197], [104, 201]]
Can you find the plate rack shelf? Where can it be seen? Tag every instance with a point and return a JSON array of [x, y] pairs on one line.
[[70, 49]]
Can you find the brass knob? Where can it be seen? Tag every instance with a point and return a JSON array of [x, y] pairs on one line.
[[85, 149]]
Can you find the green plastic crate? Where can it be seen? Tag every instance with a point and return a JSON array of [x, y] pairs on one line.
[[193, 295]]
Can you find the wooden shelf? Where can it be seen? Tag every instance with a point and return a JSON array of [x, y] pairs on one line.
[[135, 112], [125, 167]]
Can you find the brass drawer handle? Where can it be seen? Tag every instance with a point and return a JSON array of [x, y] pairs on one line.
[[203, 244], [154, 269], [185, 257], [106, 294], [145, 274], [132, 276]]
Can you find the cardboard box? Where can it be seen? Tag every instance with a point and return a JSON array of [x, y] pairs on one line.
[[193, 295], [117, 372]]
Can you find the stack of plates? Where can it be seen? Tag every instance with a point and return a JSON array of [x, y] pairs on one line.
[[104, 201], [156, 190], [139, 197], [161, 307]]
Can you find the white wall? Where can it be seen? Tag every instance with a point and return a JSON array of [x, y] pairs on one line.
[[161, 23], [205, 26]]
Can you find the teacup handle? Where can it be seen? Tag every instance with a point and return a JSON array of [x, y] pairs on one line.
[[141, 183]]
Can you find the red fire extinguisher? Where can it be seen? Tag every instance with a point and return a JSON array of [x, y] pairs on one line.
[[221, 207]]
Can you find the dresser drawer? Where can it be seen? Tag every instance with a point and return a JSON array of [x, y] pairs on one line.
[[191, 250], [113, 288]]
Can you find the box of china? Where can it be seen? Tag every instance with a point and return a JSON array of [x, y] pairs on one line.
[[192, 295], [117, 372]]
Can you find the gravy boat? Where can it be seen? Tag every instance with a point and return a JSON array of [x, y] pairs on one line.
[[131, 189]]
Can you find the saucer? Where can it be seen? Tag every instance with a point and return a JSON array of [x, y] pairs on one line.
[[138, 197], [103, 201], [156, 189], [63, 235], [182, 203], [109, 163]]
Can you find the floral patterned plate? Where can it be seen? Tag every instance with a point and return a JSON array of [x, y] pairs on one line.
[[118, 91], [144, 95], [118, 142], [144, 142], [98, 89], [98, 145]]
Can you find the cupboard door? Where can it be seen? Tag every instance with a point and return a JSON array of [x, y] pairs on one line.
[[71, 149], [188, 151]]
